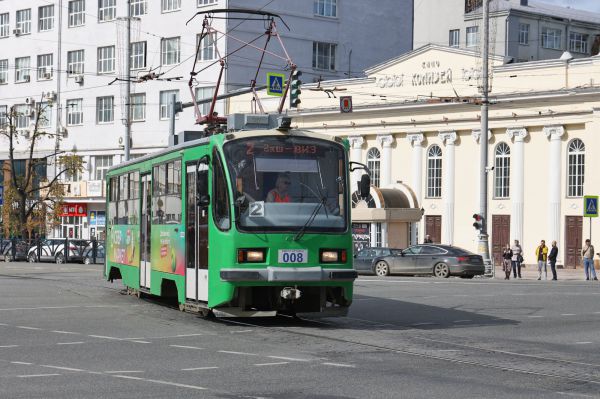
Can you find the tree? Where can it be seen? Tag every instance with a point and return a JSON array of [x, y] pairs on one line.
[[31, 200]]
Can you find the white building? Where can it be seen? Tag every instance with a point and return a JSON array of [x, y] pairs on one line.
[[520, 30], [69, 53]]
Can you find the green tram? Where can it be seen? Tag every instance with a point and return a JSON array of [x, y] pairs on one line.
[[250, 223]]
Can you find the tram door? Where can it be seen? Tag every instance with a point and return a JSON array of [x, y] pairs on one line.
[[145, 236], [196, 272]]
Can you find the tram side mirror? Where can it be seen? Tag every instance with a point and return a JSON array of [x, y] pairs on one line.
[[364, 186]]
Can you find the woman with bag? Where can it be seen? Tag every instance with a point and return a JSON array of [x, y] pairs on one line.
[[507, 255], [517, 259]]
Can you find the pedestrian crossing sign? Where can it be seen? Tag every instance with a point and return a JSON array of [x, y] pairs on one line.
[[590, 203], [275, 84]]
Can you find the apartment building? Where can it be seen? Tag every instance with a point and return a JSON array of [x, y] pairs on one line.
[[69, 56]]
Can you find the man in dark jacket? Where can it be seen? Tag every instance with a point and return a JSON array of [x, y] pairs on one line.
[[552, 259]]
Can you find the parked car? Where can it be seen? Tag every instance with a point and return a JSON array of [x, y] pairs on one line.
[[88, 258], [6, 250], [51, 250], [438, 260], [363, 259]]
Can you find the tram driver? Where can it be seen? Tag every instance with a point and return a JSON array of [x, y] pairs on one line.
[[281, 191]]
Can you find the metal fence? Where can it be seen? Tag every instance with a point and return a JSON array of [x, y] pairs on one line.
[[59, 250]]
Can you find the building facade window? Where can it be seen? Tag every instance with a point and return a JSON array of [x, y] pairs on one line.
[[106, 59], [324, 56], [101, 165], [472, 36], [165, 102], [105, 109], [4, 25], [22, 66], [45, 115], [75, 62], [138, 107], [76, 13], [207, 50], [44, 66], [578, 42], [75, 112], [24, 21], [22, 114], [3, 71], [502, 171], [46, 18], [138, 7], [138, 55], [203, 93], [524, 34], [434, 172], [575, 168], [169, 51], [551, 38], [326, 8], [373, 163], [3, 122], [206, 2], [107, 10], [170, 5], [454, 38]]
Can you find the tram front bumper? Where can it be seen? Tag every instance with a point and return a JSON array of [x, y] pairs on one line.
[[287, 274]]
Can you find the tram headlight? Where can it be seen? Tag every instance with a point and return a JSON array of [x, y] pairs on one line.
[[255, 255], [333, 256]]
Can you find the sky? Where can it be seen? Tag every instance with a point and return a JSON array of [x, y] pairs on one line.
[[591, 5]]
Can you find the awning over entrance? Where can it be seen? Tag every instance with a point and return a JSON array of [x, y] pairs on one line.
[[395, 203]]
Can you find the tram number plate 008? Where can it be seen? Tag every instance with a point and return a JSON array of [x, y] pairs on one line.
[[293, 256]]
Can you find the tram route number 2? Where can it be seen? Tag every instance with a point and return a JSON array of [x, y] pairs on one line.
[[256, 209], [293, 256]]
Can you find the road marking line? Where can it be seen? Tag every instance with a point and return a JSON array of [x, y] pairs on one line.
[[200, 368], [238, 353], [187, 347], [448, 350], [140, 341], [25, 363], [293, 359], [568, 314], [9, 346], [123, 371], [271, 364], [462, 321], [37, 375], [129, 377], [339, 365], [535, 317], [70, 343], [240, 331], [28, 328], [65, 332], [423, 324], [576, 394], [105, 337], [60, 368], [583, 343]]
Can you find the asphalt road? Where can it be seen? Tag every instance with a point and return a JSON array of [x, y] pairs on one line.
[[65, 333]]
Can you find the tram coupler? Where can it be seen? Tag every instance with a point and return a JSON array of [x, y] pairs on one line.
[[291, 293]]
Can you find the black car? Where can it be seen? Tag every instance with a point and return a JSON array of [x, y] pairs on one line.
[[437, 260], [7, 253], [363, 260]]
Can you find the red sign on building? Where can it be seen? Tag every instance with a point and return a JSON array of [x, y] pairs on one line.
[[73, 210]]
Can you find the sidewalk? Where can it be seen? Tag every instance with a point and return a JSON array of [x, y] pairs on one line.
[[530, 272]]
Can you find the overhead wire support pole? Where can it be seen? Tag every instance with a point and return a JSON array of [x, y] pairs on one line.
[[128, 84], [483, 247]]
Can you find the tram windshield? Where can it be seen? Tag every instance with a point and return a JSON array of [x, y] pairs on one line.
[[288, 183]]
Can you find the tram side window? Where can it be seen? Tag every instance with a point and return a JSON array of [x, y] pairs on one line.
[[122, 204], [112, 200], [221, 197], [133, 198], [166, 194]]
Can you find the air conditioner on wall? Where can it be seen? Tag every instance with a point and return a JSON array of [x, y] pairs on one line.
[[29, 100], [26, 78], [79, 79], [17, 31]]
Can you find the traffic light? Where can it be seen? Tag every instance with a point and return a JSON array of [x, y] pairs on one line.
[[295, 88], [478, 224]]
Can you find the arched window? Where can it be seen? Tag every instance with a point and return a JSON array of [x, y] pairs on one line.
[[575, 168], [502, 171], [434, 172], [373, 160]]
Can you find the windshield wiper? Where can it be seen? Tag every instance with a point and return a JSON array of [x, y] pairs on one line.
[[311, 219]]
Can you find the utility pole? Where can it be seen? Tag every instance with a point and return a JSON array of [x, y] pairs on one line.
[[484, 248], [128, 83]]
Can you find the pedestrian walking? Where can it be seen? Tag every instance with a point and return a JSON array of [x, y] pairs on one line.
[[552, 259], [541, 253], [507, 255], [517, 259], [588, 260], [427, 240]]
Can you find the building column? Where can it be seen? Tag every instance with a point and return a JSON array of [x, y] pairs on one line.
[[416, 139], [517, 189], [356, 143], [448, 174], [476, 134], [385, 142], [554, 133]]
